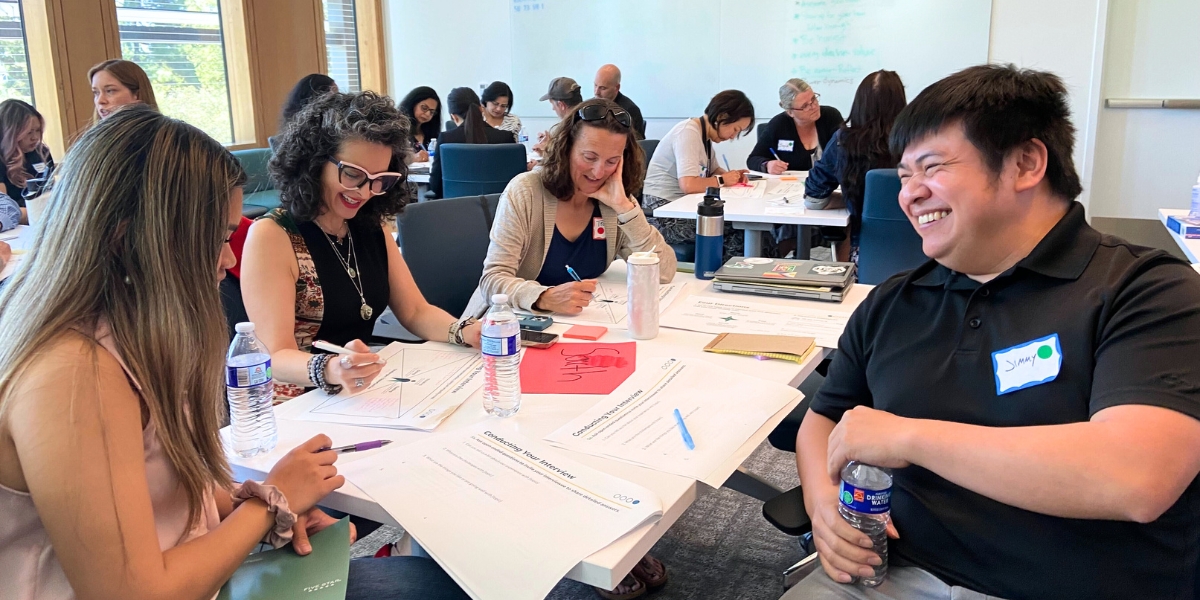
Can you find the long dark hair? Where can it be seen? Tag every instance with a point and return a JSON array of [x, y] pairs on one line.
[[14, 116], [308, 87], [556, 161], [879, 99], [409, 104], [495, 91], [464, 103]]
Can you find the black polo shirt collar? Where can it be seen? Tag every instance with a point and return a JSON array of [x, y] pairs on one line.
[[1063, 254]]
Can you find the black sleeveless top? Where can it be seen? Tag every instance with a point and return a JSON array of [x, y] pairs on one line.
[[327, 304]]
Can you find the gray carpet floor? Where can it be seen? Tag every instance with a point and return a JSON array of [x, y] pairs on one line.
[[721, 549]]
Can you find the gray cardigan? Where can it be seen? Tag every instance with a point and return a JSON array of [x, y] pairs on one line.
[[521, 235]]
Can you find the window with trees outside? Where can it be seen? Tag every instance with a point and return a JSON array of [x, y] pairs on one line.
[[180, 45], [14, 54], [341, 44]]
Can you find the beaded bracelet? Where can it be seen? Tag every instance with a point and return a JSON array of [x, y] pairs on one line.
[[316, 372]]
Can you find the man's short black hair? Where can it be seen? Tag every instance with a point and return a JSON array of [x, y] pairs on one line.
[[1000, 107]]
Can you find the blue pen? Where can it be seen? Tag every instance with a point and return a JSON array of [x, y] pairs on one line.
[[687, 437], [775, 155], [573, 274]]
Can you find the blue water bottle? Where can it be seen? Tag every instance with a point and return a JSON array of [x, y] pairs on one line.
[[710, 234]]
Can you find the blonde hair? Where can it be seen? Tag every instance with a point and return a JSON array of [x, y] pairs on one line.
[[131, 76], [788, 92], [132, 235]]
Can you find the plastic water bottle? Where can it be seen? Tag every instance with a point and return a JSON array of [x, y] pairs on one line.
[[250, 390], [501, 344], [523, 136], [866, 501], [710, 234], [642, 281], [1195, 212], [432, 149]]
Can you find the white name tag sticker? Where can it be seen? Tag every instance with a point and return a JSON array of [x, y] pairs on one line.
[[1029, 364], [786, 145], [598, 232]]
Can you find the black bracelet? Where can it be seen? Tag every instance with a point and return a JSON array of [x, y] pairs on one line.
[[317, 373]]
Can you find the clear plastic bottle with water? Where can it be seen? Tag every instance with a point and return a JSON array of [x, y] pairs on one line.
[[250, 390], [432, 149], [501, 344], [523, 136], [866, 503]]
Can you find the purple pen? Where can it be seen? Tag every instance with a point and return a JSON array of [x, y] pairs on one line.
[[361, 446]]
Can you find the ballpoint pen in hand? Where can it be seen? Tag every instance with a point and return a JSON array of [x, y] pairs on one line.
[[573, 274], [359, 447], [336, 349]]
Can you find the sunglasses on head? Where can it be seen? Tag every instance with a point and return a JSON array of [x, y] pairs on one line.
[[353, 177], [598, 112]]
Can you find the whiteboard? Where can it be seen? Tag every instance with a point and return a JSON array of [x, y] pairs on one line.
[[676, 54]]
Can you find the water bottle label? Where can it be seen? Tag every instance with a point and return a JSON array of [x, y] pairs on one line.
[[247, 377], [502, 346], [872, 502]]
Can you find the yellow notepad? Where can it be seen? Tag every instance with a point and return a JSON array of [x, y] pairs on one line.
[[783, 347]]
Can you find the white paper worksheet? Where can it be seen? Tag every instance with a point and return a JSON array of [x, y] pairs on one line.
[[506, 516], [720, 315], [721, 409], [610, 303], [417, 389]]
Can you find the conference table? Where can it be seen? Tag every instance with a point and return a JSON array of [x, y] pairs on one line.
[[19, 239], [542, 414], [1191, 248], [755, 215]]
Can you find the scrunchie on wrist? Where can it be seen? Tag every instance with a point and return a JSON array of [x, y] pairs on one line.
[[276, 503]]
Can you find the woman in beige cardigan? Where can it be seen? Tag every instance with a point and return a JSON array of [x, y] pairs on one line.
[[576, 210]]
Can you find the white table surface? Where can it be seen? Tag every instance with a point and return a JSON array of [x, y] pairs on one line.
[[754, 210], [543, 414], [1191, 248], [19, 239]]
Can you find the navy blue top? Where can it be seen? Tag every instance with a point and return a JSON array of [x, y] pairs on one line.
[[588, 256], [827, 175]]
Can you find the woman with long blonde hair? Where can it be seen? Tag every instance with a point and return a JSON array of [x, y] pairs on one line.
[[113, 479]]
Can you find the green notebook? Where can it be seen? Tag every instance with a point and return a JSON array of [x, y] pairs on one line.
[[281, 574]]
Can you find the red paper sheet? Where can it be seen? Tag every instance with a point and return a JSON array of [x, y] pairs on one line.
[[577, 368]]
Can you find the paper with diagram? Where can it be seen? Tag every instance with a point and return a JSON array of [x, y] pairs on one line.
[[721, 408], [417, 389], [707, 314], [755, 189], [505, 515], [610, 302]]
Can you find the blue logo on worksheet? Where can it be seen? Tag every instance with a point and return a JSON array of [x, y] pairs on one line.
[[626, 499]]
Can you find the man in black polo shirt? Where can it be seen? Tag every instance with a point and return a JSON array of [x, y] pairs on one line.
[[1035, 387]]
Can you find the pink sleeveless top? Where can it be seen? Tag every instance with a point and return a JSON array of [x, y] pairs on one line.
[[29, 568]]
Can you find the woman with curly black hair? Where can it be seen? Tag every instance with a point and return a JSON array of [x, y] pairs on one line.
[[423, 108], [321, 267]]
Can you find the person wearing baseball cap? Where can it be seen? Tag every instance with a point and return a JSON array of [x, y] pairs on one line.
[[564, 94]]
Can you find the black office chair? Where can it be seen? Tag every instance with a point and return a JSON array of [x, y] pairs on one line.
[[648, 148], [887, 242], [444, 243], [475, 169], [760, 129]]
